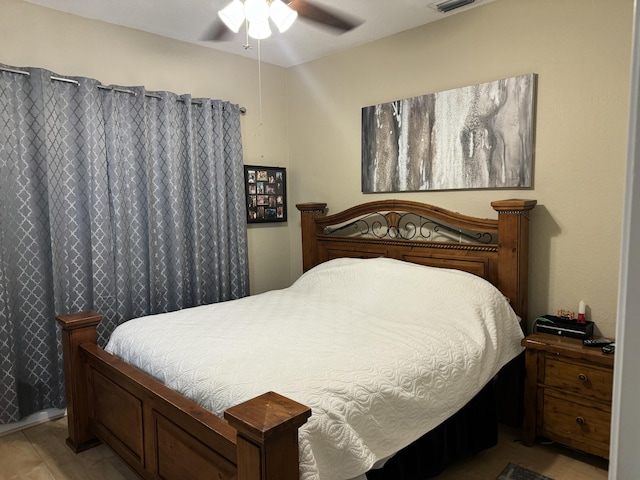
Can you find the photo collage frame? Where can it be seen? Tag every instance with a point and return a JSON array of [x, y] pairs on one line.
[[266, 194]]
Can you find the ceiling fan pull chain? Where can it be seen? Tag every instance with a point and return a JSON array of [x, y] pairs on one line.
[[246, 45], [260, 96]]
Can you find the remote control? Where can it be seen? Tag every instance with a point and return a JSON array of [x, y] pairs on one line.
[[596, 342], [611, 348]]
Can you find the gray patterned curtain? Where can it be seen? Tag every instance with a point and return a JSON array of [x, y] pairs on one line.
[[116, 201]]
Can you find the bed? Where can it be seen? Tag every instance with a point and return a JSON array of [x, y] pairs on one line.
[[263, 433]]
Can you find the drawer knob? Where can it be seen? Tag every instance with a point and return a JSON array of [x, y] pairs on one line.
[[580, 421], [583, 378]]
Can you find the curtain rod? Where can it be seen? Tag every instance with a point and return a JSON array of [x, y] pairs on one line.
[[243, 110]]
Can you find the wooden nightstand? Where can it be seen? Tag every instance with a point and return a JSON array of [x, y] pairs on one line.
[[567, 393]]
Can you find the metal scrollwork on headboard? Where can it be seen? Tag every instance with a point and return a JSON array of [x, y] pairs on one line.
[[407, 226]]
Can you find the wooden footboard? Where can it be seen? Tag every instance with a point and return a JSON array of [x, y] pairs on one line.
[[161, 434]]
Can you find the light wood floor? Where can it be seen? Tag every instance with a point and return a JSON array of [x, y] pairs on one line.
[[554, 461], [40, 452]]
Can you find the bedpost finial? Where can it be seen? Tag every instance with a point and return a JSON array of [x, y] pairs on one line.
[[513, 205], [311, 207]]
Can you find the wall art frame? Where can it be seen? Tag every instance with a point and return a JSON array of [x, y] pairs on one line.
[[266, 194], [476, 137]]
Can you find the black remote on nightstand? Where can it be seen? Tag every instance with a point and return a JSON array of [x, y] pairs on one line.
[[611, 348], [596, 342]]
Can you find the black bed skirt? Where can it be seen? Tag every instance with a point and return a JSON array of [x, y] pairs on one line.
[[472, 429]]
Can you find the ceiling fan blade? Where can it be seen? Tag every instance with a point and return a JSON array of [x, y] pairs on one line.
[[217, 32], [323, 16]]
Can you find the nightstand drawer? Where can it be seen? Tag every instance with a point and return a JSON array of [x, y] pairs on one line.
[[580, 424], [577, 377]]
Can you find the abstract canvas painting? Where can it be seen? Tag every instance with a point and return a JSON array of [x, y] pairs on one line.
[[473, 137]]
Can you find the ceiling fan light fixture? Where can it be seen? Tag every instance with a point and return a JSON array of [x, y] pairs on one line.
[[282, 15], [233, 15], [259, 30], [256, 14], [256, 11]]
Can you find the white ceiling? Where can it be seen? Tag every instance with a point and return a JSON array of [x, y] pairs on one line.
[[191, 20]]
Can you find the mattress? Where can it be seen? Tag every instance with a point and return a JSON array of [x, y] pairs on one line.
[[382, 351]]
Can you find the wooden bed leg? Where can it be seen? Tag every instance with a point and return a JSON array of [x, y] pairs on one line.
[[308, 212], [267, 440], [78, 329]]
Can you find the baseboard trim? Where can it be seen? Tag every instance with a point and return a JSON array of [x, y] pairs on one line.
[[32, 420]]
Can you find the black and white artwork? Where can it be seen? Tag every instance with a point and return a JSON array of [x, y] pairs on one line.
[[476, 137]]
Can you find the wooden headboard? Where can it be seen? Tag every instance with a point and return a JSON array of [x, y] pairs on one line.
[[495, 249]]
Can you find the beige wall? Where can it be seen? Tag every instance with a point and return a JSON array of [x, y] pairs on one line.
[[311, 119], [581, 53], [32, 36]]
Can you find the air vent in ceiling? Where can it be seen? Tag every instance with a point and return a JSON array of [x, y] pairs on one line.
[[449, 5]]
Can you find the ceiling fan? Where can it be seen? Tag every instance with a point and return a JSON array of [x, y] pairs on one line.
[[255, 14]]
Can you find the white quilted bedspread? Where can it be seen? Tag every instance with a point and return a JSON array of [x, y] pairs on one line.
[[381, 350]]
